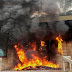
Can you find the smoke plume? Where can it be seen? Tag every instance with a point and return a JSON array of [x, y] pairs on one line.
[[16, 21]]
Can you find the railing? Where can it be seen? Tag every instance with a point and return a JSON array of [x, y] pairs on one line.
[[67, 59]]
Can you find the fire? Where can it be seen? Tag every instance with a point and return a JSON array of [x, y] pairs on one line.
[[34, 61], [20, 53], [59, 39], [34, 46], [42, 43]]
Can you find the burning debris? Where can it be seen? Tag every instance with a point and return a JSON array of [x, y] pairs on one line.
[[34, 61]]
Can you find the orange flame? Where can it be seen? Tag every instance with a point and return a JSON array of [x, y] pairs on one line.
[[35, 61], [59, 44], [42, 43]]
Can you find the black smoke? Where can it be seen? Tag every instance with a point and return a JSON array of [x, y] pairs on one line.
[[16, 21], [68, 35]]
